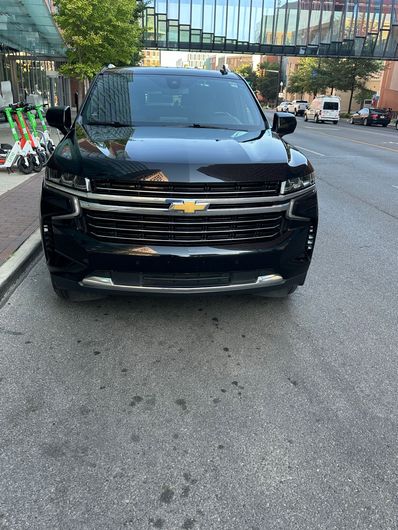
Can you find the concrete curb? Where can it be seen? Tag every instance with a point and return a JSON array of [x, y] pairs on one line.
[[18, 261]]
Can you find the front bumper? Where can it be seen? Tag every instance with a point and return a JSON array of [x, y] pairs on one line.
[[76, 260]]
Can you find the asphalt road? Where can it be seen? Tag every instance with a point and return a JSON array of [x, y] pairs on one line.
[[224, 413]]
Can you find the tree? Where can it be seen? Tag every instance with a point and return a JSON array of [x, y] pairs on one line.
[[363, 93], [311, 77], [97, 33], [249, 74], [352, 74], [267, 80]]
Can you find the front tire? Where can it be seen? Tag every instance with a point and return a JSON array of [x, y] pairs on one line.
[[24, 164], [305, 117], [335, 122], [366, 122], [352, 121]]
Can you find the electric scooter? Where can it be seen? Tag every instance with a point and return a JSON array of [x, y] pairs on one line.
[[14, 154], [35, 133], [46, 140], [27, 141]]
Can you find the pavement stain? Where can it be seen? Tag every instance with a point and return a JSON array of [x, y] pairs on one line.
[[292, 381], [84, 410], [167, 495], [135, 438], [11, 332], [216, 401], [181, 403], [188, 478], [157, 523], [185, 491], [52, 450], [135, 401], [96, 352], [188, 524]]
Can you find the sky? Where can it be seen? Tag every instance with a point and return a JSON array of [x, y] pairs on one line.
[[170, 58]]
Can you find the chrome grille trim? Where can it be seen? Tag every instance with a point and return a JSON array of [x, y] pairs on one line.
[[170, 242], [160, 200], [94, 206]]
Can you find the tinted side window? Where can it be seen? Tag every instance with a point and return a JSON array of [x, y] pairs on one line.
[[331, 105]]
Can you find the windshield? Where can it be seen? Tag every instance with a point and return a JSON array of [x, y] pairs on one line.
[[330, 105], [135, 100]]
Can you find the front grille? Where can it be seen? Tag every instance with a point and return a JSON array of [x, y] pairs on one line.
[[126, 227], [186, 191]]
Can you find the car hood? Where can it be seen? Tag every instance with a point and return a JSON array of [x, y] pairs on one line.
[[178, 154]]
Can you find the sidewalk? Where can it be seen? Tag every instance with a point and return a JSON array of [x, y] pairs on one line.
[[19, 211]]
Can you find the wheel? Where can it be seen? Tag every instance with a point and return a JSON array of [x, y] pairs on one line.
[[24, 164], [37, 165], [305, 117], [42, 157], [366, 122], [352, 121], [295, 112], [335, 122], [396, 124], [384, 124], [6, 147], [50, 147]]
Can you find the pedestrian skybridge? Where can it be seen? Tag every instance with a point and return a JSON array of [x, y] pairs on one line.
[[362, 28]]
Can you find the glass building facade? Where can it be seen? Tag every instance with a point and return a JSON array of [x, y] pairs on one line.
[[363, 28]]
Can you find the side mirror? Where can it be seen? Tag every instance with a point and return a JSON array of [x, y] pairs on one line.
[[60, 118], [284, 123]]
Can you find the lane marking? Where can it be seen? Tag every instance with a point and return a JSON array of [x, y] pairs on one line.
[[329, 128], [395, 186], [358, 141], [309, 150]]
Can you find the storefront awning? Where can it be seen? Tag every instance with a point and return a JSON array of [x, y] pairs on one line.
[[28, 26]]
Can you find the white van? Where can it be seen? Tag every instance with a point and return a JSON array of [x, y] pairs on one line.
[[324, 108]]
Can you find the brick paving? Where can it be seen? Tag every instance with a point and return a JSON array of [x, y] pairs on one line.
[[19, 214]]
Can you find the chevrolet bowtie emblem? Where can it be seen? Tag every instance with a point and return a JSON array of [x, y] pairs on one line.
[[188, 206]]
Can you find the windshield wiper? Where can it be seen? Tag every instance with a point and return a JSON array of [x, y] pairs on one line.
[[109, 123], [205, 126]]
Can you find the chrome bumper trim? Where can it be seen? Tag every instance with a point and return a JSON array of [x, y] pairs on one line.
[[206, 213], [101, 282]]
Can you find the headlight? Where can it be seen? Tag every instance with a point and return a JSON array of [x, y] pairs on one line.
[[66, 179], [297, 183]]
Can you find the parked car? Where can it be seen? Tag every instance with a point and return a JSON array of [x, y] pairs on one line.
[[172, 181], [298, 107], [369, 117], [324, 108], [283, 106]]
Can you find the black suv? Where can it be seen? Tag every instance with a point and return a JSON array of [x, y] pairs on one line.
[[172, 181]]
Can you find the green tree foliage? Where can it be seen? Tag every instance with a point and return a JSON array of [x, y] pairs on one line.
[[248, 73], [362, 93], [309, 77], [352, 74], [99, 32], [264, 80], [268, 80], [317, 75]]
